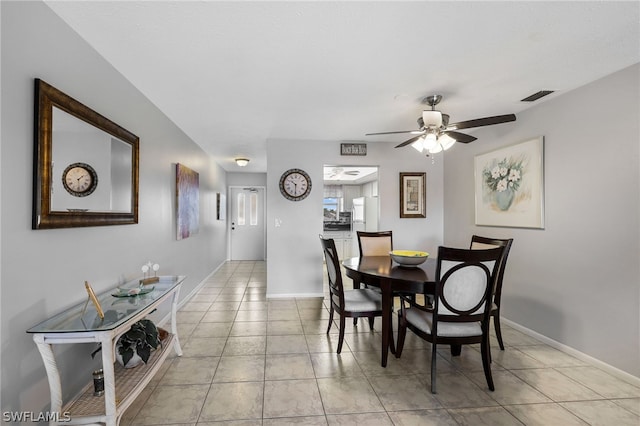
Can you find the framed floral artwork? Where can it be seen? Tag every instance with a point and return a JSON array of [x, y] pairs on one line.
[[413, 195], [509, 186]]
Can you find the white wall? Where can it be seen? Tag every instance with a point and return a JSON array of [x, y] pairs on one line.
[[295, 256], [578, 280], [43, 270]]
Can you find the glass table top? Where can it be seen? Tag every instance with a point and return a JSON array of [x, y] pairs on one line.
[[116, 304]]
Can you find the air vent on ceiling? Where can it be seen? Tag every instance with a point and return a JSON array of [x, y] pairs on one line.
[[537, 95]]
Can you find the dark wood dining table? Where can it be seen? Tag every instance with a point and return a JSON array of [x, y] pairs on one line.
[[390, 277]]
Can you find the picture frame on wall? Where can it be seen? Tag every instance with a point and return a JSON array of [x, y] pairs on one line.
[[413, 195], [221, 206], [509, 186], [187, 201]]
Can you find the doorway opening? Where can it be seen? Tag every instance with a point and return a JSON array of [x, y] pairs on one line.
[[350, 204]]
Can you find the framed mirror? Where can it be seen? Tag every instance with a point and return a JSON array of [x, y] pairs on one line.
[[85, 165]]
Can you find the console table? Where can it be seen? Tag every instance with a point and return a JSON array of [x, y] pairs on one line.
[[82, 324]]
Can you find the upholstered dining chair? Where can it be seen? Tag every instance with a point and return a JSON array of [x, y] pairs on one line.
[[378, 243], [478, 242], [354, 303], [462, 303]]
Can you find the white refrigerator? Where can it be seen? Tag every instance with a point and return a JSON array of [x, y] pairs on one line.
[[364, 217]]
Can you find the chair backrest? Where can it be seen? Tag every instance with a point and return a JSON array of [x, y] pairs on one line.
[[334, 274], [375, 243], [479, 243], [465, 283]]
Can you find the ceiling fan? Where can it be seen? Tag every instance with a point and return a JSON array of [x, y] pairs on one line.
[[338, 172], [435, 134]]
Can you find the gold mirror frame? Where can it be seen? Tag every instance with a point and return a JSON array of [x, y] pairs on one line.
[[47, 97]]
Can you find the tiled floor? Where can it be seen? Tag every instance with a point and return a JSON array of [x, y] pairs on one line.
[[252, 361]]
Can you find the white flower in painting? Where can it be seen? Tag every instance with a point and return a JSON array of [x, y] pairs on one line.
[[495, 172], [503, 171], [502, 185], [514, 175]]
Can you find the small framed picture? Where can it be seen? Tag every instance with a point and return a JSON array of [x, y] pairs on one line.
[[413, 195], [94, 299]]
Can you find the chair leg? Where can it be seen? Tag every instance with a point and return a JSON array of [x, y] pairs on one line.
[[371, 323], [330, 318], [486, 360], [355, 321], [433, 367], [456, 350], [341, 335], [402, 333], [496, 325]]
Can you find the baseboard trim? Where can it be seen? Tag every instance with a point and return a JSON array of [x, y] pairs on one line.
[[623, 375], [295, 296]]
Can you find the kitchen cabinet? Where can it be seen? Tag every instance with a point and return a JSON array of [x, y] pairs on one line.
[[343, 243]]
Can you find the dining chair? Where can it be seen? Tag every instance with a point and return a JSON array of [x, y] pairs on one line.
[[356, 303], [478, 242], [461, 306], [378, 243]]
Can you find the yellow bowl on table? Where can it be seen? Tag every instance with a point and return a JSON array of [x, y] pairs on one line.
[[409, 257]]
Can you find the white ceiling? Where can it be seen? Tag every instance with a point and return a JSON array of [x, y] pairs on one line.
[[233, 75]]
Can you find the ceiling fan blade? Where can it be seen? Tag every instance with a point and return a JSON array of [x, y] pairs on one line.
[[459, 137], [410, 141], [486, 121], [392, 133]]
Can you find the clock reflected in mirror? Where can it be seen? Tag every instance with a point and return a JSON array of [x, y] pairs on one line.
[[79, 179]]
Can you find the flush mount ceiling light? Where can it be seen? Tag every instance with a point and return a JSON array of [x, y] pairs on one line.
[[242, 161]]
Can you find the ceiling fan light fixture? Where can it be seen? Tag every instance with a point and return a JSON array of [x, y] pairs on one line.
[[419, 144], [446, 141], [432, 118], [435, 149], [430, 141], [242, 162]]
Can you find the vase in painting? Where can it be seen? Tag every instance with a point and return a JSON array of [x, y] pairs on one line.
[[504, 199]]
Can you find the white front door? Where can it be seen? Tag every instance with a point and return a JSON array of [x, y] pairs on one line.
[[247, 233]]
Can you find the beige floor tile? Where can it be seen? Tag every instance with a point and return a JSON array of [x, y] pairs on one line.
[[454, 390], [219, 316], [287, 344], [513, 337], [291, 398], [438, 417], [189, 316], [489, 416], [404, 392], [254, 422], [335, 365], [249, 328], [348, 395], [172, 404], [602, 413], [544, 415], [631, 404], [279, 328], [212, 329], [303, 421], [233, 401], [203, 346], [509, 389], [230, 297], [324, 343], [248, 368], [245, 345], [314, 315], [555, 385], [225, 305], [372, 419], [190, 371], [253, 306], [370, 364], [601, 382], [551, 357], [513, 358], [196, 306], [248, 316], [318, 326], [288, 367]]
